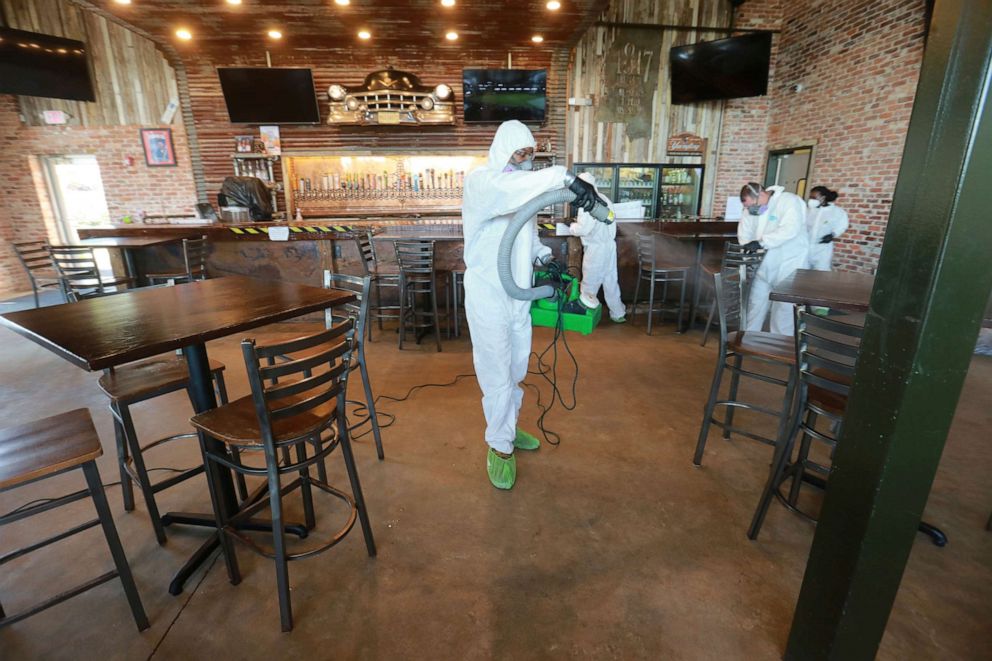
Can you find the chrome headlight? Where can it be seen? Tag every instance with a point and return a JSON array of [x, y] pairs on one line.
[[352, 104], [442, 91], [336, 92], [427, 103]]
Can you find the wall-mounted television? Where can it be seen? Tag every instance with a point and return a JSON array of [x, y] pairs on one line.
[[496, 95], [260, 95], [36, 64], [722, 69]]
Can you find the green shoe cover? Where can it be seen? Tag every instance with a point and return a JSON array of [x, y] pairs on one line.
[[502, 472], [618, 320], [525, 441]]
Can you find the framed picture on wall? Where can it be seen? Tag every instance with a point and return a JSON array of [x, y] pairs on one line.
[[158, 147]]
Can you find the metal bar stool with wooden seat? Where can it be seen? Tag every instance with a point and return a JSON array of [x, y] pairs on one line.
[[46, 448], [36, 261], [736, 345], [77, 267], [733, 255], [295, 413], [138, 382], [194, 264], [826, 356], [655, 272], [457, 300], [418, 278], [359, 311], [380, 280]]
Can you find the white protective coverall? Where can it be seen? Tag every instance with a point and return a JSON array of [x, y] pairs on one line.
[[500, 326], [823, 220], [599, 257], [781, 230]]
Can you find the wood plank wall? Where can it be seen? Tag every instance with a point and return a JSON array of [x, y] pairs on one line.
[[589, 140], [132, 79], [215, 133]]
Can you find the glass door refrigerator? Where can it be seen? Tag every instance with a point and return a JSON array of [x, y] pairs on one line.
[[666, 190]]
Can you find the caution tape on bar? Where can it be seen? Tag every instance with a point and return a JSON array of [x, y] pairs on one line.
[[297, 229]]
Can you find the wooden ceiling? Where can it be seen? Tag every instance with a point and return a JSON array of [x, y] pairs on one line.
[[394, 24]]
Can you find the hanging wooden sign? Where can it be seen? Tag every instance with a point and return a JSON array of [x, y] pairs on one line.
[[686, 143]]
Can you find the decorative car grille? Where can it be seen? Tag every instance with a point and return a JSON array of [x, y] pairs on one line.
[[389, 100]]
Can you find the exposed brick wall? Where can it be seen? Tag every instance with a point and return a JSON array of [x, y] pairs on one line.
[[129, 189], [858, 62]]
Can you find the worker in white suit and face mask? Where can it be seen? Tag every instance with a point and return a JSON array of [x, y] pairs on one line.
[[775, 221], [500, 325], [599, 258], [825, 221]]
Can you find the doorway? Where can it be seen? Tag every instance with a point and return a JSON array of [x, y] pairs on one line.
[[789, 168], [75, 189]]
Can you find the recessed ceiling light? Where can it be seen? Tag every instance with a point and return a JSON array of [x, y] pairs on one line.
[[554, 5], [448, 3], [123, 2], [364, 34], [184, 34], [537, 38], [342, 2], [451, 36], [234, 2], [275, 34]]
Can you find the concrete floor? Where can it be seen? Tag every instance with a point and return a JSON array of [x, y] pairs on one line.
[[610, 546]]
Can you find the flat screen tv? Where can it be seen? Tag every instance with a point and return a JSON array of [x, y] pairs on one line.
[[723, 69], [496, 95], [259, 95], [36, 64]]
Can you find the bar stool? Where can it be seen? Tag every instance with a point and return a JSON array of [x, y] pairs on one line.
[[736, 345], [733, 255], [293, 414], [80, 274], [359, 311], [826, 356], [417, 278], [380, 280], [46, 448], [37, 263], [137, 382], [457, 300], [650, 270], [194, 264]]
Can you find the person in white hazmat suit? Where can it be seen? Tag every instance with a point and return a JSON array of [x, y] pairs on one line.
[[500, 326], [775, 221], [825, 221], [599, 258]]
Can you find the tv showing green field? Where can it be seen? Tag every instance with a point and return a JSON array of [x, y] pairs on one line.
[[496, 95]]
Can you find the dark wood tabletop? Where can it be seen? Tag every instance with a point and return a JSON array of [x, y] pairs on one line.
[[128, 241], [103, 332], [841, 290], [699, 236]]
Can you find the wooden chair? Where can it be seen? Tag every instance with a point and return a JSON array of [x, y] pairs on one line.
[[53, 446], [736, 346], [78, 269], [194, 264], [655, 272], [303, 406], [36, 261], [380, 280]]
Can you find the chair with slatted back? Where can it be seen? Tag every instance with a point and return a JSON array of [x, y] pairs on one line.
[[418, 280], [359, 311], [46, 448], [733, 255], [380, 280], [658, 272], [78, 269], [736, 346], [293, 405], [194, 264], [36, 261]]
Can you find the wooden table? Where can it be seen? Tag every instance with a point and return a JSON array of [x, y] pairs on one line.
[[127, 245], [103, 332], [840, 290], [701, 235]]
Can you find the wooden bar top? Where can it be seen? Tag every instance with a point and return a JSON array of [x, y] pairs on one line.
[[128, 241]]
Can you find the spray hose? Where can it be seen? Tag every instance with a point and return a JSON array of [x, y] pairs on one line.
[[520, 219]]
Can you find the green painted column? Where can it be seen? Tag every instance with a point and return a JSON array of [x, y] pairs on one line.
[[933, 282]]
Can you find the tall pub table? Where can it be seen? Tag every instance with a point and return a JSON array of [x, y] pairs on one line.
[[103, 332], [127, 245]]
